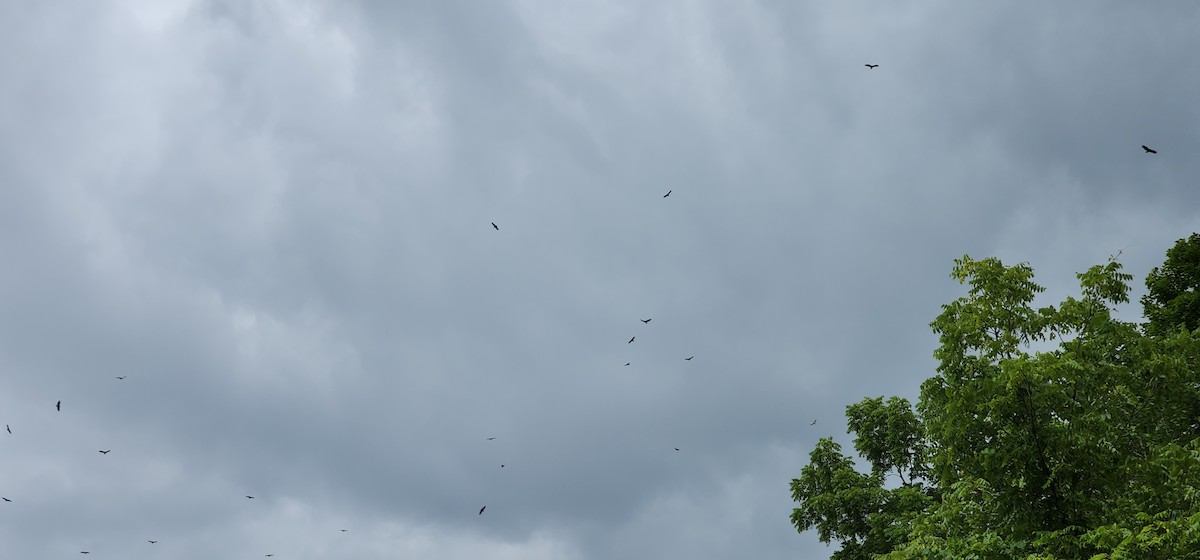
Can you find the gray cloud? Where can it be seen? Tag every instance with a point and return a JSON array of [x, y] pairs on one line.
[[275, 219]]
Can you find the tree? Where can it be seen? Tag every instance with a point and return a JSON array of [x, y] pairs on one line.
[[1090, 450], [852, 507], [1173, 297]]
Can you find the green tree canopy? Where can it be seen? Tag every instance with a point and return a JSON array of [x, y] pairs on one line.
[[1173, 291], [1088, 450]]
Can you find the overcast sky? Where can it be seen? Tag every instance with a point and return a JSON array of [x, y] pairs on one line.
[[274, 219]]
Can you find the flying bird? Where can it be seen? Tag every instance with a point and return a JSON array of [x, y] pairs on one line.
[[627, 363], [249, 497], [502, 466], [630, 340], [7, 428], [105, 452], [676, 449], [58, 406], [491, 438], [688, 359], [1149, 150], [152, 542], [495, 226], [344, 530], [871, 66], [120, 377], [647, 321], [481, 510], [813, 423], [668, 194], [5, 499]]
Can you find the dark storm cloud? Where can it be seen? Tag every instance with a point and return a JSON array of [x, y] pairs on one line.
[[275, 219]]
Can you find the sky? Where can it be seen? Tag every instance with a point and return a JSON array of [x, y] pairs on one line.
[[274, 219]]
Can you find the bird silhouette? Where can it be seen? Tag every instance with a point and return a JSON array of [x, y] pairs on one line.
[[120, 377], [495, 226], [871, 66], [1149, 150], [7, 428], [152, 542], [647, 321], [668, 194], [813, 423], [5, 499], [105, 452], [249, 497], [58, 406], [627, 363], [502, 466], [344, 530], [676, 449], [84, 552], [481, 510], [269, 555], [689, 358], [630, 340], [491, 438]]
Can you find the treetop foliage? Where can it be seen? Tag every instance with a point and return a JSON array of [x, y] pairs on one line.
[[1089, 450]]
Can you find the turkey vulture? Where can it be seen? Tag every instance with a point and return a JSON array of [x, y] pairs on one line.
[[688, 359], [676, 449], [151, 542], [647, 321], [813, 423], [627, 363], [871, 66], [105, 452], [495, 226], [668, 194], [5, 499], [491, 438], [58, 406], [1149, 150], [630, 340], [249, 497], [120, 377], [344, 530], [7, 428], [481, 510]]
